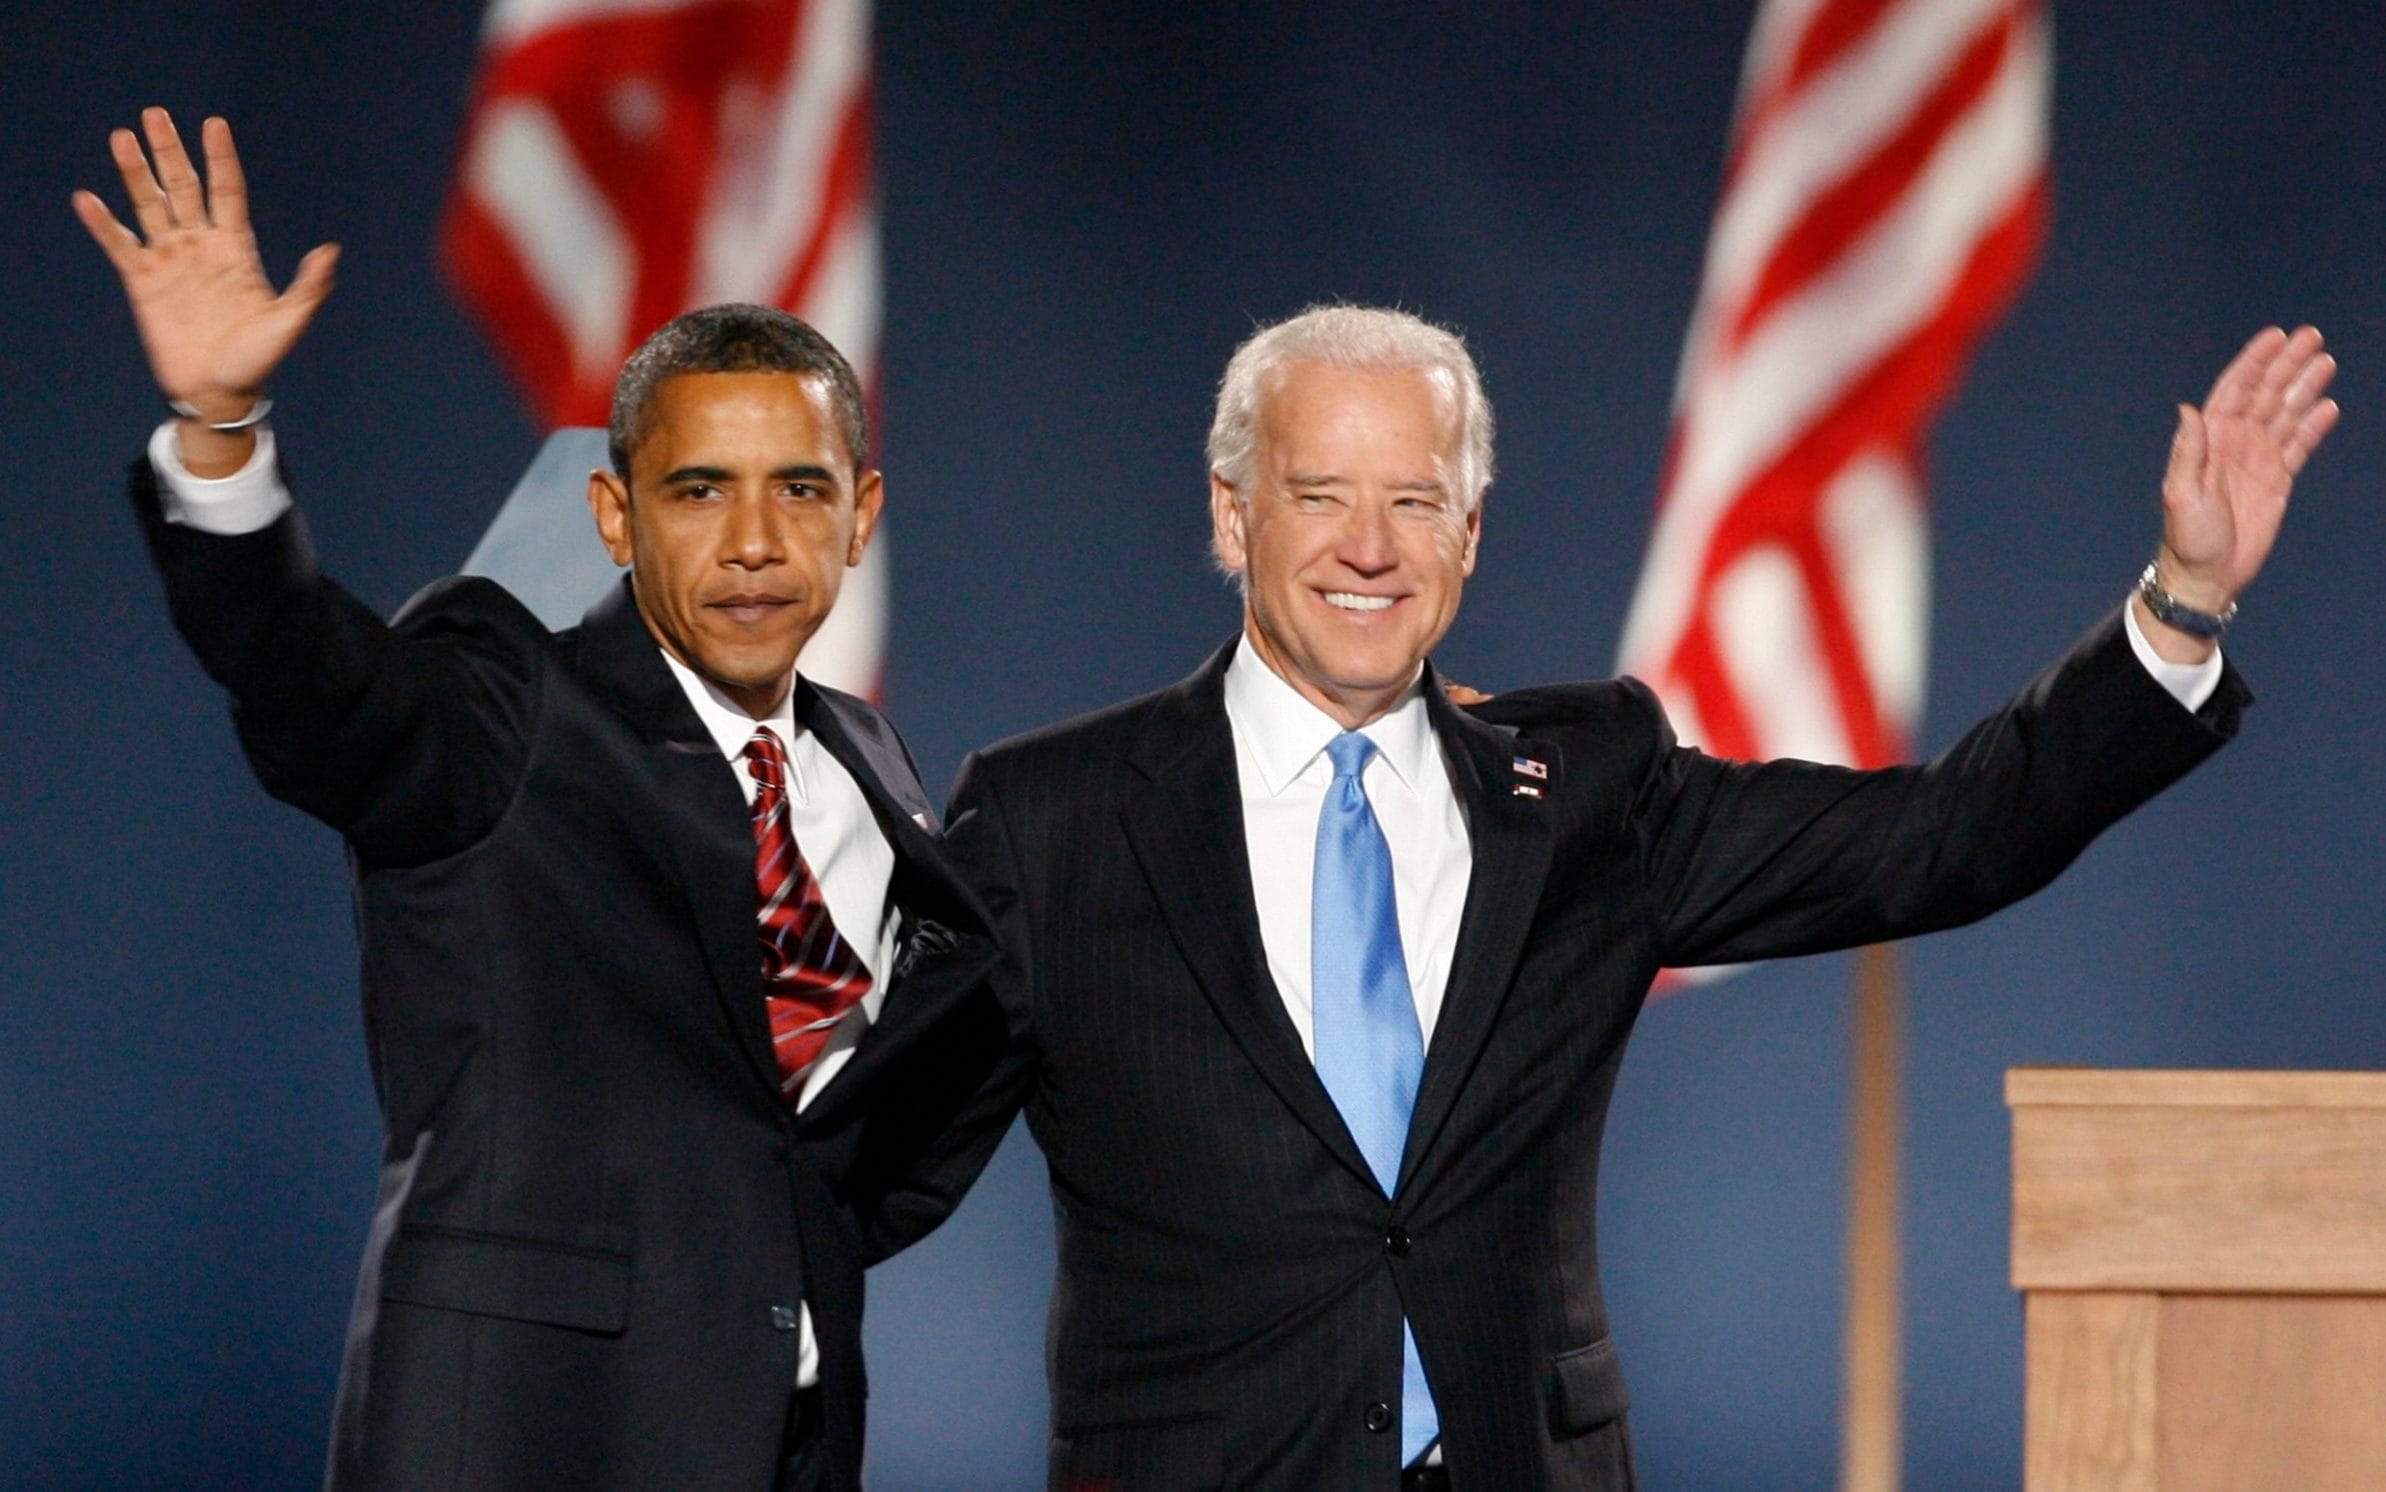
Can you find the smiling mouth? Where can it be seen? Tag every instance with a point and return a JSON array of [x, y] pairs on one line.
[[1353, 601]]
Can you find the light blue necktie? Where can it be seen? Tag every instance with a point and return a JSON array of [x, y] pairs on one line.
[[1370, 1050]]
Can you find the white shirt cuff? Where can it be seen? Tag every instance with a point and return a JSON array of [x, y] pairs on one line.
[[242, 503], [2189, 683]]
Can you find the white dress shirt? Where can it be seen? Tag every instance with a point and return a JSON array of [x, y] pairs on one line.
[[1280, 756], [828, 813]]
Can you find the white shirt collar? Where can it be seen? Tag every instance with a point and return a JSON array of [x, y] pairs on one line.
[[1285, 732], [731, 727]]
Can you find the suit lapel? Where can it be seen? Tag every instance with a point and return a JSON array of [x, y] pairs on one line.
[[1185, 829], [1512, 835], [945, 946], [703, 818]]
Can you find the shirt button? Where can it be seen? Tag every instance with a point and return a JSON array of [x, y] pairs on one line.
[[1379, 1417], [1397, 1241], [785, 1318]]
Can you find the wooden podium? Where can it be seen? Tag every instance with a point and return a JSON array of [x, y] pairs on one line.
[[2204, 1257]]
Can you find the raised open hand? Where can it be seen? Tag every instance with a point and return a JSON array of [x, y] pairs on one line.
[[211, 322], [2234, 461]]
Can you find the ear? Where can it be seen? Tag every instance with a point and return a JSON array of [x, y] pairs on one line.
[[1474, 538], [869, 498], [1229, 526], [609, 501]]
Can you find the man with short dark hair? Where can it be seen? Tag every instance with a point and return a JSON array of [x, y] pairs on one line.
[[1320, 984], [733, 339], [652, 927]]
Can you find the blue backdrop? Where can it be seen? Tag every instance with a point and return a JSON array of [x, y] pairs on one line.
[[1085, 208]]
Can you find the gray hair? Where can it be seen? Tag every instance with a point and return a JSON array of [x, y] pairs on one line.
[[1348, 336], [734, 338]]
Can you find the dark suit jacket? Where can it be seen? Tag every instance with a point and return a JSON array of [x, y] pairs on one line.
[[596, 1216], [1231, 1279]]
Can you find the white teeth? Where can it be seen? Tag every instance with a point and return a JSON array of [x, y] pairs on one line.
[[1350, 601]]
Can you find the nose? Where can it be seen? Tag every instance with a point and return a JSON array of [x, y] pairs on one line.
[[1367, 545], [755, 538]]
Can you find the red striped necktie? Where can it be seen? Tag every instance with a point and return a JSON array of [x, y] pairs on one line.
[[810, 975]]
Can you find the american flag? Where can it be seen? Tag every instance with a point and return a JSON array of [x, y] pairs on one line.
[[626, 160], [1883, 200]]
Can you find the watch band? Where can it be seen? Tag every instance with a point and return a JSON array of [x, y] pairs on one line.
[[2173, 612], [250, 421]]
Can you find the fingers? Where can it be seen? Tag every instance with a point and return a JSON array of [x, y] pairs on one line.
[[2308, 374], [2292, 359], [140, 187], [174, 169], [2232, 392], [2313, 428], [170, 195], [119, 243], [2297, 399], [227, 184]]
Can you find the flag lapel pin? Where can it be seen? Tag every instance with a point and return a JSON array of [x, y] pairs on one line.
[[1531, 773]]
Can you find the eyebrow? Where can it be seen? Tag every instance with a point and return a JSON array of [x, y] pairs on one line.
[[1307, 479], [723, 474]]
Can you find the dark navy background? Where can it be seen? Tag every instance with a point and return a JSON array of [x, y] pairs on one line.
[[1085, 208]]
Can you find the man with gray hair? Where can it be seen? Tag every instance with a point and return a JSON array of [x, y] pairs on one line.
[[1319, 983]]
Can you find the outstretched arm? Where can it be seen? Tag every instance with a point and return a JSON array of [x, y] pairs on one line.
[[2233, 464], [212, 324], [409, 741]]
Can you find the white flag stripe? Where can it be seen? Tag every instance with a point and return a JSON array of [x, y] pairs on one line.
[[1772, 44], [1746, 411], [1764, 628], [524, 173], [1877, 536], [509, 23], [844, 299], [845, 652], [771, 184]]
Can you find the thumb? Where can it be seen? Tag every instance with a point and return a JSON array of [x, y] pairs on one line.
[[312, 283], [2185, 475]]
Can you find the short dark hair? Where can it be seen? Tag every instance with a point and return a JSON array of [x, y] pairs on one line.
[[734, 339]]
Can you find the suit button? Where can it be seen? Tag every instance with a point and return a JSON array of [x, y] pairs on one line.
[[785, 1318], [1379, 1417], [1397, 1241]]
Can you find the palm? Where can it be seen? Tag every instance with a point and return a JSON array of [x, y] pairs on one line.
[[2235, 461], [207, 316], [213, 326]]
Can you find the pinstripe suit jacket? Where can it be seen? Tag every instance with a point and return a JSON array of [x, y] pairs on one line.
[[1231, 1279]]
